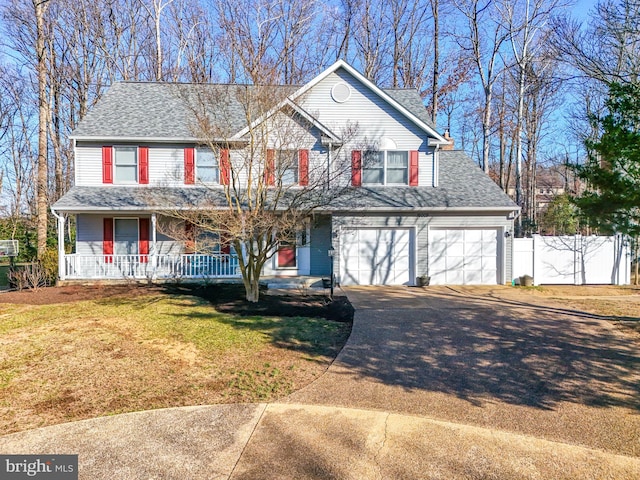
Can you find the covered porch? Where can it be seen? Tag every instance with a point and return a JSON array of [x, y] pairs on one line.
[[129, 246]]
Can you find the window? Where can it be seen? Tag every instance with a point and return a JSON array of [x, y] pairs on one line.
[[126, 164], [385, 167], [207, 170], [373, 168], [126, 236], [287, 166]]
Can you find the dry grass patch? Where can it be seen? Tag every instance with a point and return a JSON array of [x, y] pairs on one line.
[[98, 357], [620, 304]]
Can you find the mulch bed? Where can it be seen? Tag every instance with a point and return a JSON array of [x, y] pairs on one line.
[[225, 298], [230, 299]]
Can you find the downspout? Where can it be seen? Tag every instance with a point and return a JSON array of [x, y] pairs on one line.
[[61, 259], [436, 166], [329, 164]]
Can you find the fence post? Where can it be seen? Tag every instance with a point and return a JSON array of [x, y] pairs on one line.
[[536, 240], [577, 258]]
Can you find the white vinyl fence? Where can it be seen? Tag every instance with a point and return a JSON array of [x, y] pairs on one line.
[[573, 260]]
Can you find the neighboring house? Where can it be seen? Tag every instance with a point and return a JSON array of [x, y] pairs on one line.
[[413, 207], [550, 182]]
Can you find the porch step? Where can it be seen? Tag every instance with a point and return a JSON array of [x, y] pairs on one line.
[[292, 283]]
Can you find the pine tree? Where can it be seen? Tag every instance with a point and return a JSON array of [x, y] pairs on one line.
[[611, 202]]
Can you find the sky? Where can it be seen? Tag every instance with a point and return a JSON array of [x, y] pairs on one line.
[[581, 8]]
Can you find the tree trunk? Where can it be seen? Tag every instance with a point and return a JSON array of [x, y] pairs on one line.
[[486, 131], [521, 88], [436, 63], [43, 116]]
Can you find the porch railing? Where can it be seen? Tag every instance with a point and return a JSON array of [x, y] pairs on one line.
[[151, 266]]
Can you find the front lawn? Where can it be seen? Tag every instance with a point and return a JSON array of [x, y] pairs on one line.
[[138, 349]]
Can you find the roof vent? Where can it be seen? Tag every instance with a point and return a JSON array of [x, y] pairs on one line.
[[341, 92]]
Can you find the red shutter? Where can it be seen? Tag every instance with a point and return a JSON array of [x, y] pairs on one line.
[[107, 164], [143, 165], [225, 167], [269, 168], [413, 168], [190, 238], [356, 168], [189, 167], [303, 157], [143, 246], [225, 244], [107, 239]]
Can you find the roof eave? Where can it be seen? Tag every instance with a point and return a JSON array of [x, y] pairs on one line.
[[116, 139]]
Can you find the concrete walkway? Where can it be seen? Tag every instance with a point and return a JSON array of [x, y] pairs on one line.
[[433, 383]]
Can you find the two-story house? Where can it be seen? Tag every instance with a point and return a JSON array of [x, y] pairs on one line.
[[419, 207]]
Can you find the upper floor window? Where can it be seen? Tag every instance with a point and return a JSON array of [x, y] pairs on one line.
[[385, 167], [207, 170], [287, 166], [125, 164]]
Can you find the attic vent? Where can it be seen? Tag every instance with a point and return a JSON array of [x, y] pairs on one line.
[[341, 92]]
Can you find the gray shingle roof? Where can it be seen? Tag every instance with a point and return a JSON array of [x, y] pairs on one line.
[[167, 110], [462, 186], [410, 99]]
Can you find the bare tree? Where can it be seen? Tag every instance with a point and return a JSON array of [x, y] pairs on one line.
[[602, 50], [483, 41], [272, 180], [435, 9], [525, 22], [155, 14]]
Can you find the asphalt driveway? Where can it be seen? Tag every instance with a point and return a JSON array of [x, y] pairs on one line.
[[488, 360]]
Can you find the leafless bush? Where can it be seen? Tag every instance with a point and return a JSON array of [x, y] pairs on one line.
[[32, 276]]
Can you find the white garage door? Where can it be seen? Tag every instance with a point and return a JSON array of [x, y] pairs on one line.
[[376, 256], [463, 256]]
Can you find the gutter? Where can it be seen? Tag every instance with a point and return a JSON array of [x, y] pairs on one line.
[[145, 140]]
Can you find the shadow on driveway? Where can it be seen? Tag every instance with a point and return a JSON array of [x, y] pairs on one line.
[[479, 349], [537, 369]]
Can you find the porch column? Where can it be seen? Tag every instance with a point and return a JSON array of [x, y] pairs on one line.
[[61, 259], [154, 252]]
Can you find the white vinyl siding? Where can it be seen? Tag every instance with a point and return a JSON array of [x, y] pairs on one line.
[[88, 165]]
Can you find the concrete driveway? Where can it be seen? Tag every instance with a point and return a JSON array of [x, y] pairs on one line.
[[435, 383], [488, 359]]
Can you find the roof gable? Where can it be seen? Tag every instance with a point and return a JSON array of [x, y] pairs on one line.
[[402, 100]]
